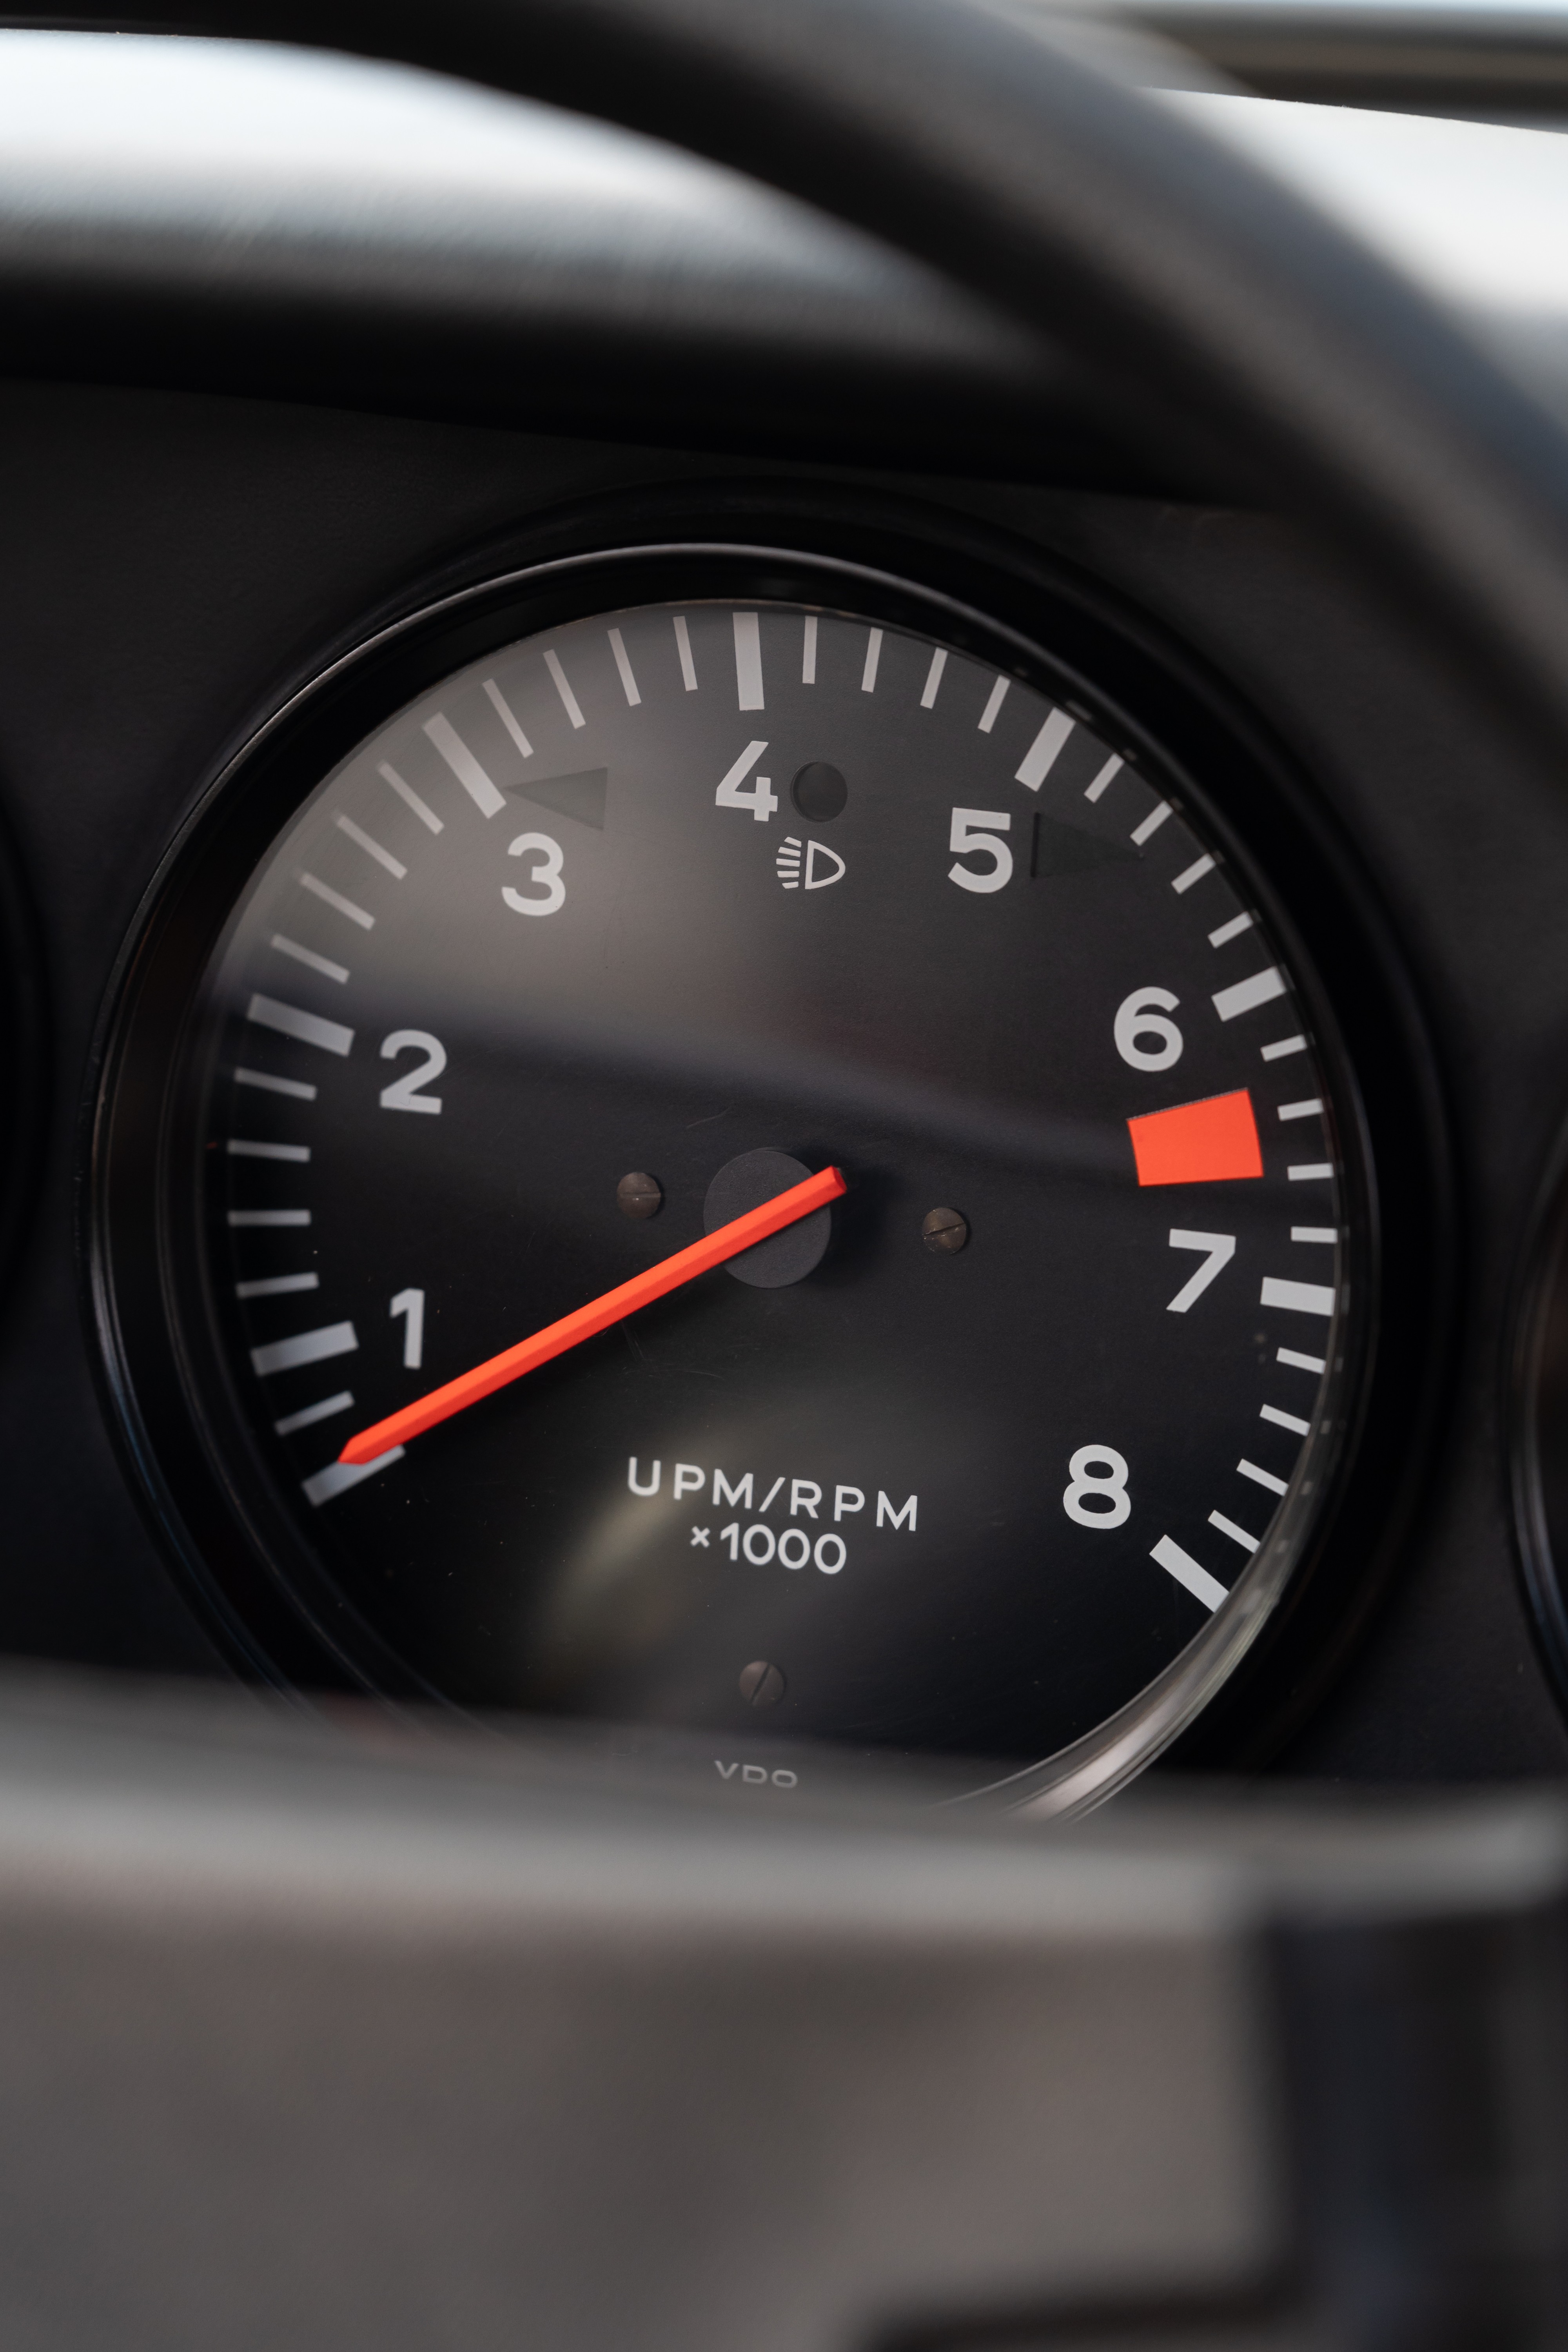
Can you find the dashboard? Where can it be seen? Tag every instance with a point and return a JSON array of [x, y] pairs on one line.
[[784, 1181], [725, 1022]]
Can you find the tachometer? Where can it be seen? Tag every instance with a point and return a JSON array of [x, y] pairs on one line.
[[746, 1162]]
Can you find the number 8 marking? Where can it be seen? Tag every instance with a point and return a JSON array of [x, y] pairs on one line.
[[1106, 1492]]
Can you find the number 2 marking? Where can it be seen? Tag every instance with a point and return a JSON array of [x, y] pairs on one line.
[[403, 1093], [1218, 1250], [411, 1303]]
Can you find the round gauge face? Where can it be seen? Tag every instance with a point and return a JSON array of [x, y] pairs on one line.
[[748, 1171]]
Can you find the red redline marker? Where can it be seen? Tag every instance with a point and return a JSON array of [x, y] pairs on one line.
[[613, 1307], [1210, 1142]]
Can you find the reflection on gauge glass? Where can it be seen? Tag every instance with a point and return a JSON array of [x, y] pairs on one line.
[[1005, 1442]]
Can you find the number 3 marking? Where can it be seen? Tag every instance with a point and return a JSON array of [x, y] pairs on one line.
[[1098, 1476], [547, 871]]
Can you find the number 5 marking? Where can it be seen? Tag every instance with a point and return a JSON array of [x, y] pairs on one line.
[[547, 872], [975, 831], [1218, 1250]]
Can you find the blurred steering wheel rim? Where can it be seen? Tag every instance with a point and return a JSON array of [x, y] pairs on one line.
[[993, 142]]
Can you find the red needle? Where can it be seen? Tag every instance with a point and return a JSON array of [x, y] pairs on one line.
[[739, 1233]]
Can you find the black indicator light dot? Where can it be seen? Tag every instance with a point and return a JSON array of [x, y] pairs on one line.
[[946, 1230], [639, 1195], [819, 792], [761, 1684]]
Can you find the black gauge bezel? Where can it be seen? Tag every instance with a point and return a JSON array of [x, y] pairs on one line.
[[1540, 1314], [926, 569], [24, 1060]]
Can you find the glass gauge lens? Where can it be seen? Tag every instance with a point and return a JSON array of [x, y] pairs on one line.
[[1006, 1440]]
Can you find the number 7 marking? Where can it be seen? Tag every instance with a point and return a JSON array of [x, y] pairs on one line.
[[1218, 1250]]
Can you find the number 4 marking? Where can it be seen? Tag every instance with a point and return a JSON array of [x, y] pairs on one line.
[[1218, 1250], [412, 1304], [760, 800]]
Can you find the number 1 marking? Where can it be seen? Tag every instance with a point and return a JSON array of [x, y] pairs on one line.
[[411, 1303], [1218, 1250]]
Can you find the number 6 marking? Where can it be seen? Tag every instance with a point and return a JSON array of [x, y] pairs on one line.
[[1219, 1249], [1137, 1019], [547, 871]]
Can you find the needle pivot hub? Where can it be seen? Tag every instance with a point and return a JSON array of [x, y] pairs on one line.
[[745, 1182]]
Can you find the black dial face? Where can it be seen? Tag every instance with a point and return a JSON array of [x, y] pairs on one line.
[[1004, 1444]]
